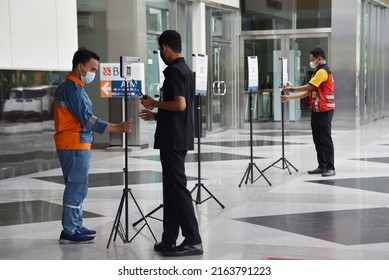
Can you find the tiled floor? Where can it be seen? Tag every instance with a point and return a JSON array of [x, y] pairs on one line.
[[299, 216]]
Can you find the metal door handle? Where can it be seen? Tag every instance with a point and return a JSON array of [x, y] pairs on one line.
[[219, 88]]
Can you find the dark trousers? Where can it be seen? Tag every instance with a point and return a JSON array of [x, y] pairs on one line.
[[321, 132], [178, 211]]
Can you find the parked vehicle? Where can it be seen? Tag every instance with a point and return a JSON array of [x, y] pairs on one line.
[[30, 103]]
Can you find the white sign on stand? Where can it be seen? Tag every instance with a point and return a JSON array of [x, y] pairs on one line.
[[113, 85], [252, 62], [201, 69], [285, 78]]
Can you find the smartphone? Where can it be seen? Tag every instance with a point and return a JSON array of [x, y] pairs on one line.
[[135, 83]]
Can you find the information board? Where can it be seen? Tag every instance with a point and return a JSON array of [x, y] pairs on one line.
[[252, 62], [201, 69], [113, 85]]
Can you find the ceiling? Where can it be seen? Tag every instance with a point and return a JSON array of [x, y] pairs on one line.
[[91, 6]]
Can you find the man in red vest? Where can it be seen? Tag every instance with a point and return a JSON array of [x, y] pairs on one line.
[[320, 90]]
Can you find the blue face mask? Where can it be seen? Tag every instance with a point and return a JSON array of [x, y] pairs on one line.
[[89, 76]]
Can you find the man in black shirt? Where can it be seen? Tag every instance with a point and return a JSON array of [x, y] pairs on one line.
[[174, 137]]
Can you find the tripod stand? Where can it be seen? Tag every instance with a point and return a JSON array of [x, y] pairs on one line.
[[200, 185], [250, 170], [149, 215], [285, 162], [117, 227]]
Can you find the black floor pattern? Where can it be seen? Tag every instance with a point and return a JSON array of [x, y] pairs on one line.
[[375, 159], [374, 184], [36, 211], [347, 227]]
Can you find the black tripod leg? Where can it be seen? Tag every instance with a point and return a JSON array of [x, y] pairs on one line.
[[198, 195], [117, 221], [271, 165], [143, 217], [285, 162], [148, 215], [221, 205], [246, 174], [291, 165], [250, 174], [139, 232], [263, 175], [194, 188]]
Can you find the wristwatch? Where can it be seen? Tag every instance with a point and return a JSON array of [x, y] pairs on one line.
[[291, 90]]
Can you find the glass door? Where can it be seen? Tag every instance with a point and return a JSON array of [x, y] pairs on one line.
[[221, 83], [269, 49], [218, 104]]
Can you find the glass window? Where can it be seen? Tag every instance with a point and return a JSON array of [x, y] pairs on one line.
[[16, 94], [162, 15], [301, 72], [157, 19], [268, 52], [26, 106], [34, 93], [285, 14]]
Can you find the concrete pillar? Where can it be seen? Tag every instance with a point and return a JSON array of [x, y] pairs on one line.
[[343, 61], [127, 35]]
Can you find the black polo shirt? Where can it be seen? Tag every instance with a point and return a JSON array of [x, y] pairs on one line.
[[175, 129]]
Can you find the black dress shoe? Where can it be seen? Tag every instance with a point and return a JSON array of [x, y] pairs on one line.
[[184, 250], [317, 171], [161, 246], [328, 173]]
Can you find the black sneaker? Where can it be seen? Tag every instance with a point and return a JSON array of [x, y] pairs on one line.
[[76, 238]]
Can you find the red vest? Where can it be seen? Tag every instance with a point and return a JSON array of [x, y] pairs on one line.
[[322, 99]]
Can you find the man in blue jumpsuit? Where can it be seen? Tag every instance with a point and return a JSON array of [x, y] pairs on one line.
[[74, 126]]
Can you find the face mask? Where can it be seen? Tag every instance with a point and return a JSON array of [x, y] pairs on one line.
[[89, 76], [313, 64]]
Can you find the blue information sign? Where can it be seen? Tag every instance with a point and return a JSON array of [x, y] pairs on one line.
[[119, 88]]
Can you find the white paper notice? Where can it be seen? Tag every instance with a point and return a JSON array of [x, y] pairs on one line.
[[201, 74], [252, 72]]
